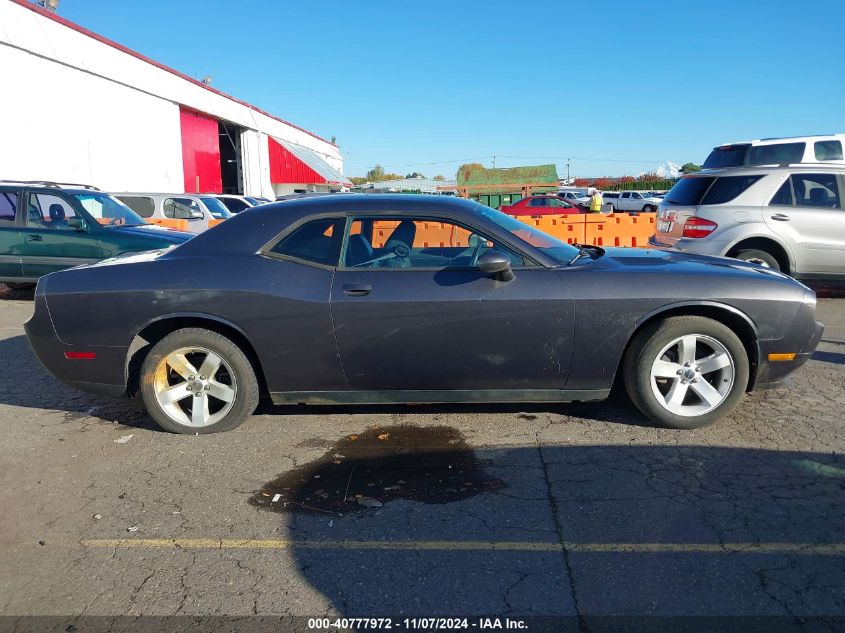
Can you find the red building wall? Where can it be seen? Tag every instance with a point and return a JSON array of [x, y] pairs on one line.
[[287, 168], [200, 152]]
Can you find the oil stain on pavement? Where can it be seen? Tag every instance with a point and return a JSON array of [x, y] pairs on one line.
[[382, 464]]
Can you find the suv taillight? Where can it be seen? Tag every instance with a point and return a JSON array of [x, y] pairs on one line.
[[698, 227]]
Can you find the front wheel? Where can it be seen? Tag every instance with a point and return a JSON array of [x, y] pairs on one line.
[[686, 372], [649, 208], [198, 381]]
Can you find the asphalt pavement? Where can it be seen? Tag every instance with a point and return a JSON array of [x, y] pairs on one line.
[[584, 511]]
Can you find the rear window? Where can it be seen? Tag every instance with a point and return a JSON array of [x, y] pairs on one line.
[[689, 190], [727, 188], [726, 156], [778, 154]]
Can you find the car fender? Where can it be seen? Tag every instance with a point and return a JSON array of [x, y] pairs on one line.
[[735, 235], [189, 315]]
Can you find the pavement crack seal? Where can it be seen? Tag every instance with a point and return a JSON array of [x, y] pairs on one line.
[[582, 622]]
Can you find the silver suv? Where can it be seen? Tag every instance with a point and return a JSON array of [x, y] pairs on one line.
[[788, 218]]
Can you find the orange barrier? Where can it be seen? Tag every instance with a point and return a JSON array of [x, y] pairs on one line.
[[215, 221], [614, 229], [619, 229], [170, 223]]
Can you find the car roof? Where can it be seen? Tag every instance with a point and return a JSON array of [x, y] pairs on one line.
[[770, 169], [247, 233], [154, 193]]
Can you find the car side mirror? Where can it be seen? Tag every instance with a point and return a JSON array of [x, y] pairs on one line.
[[77, 224], [194, 214], [496, 263]]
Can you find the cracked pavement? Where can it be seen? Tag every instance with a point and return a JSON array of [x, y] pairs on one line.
[[628, 519]]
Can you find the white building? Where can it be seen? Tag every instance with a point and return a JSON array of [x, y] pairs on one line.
[[80, 108]]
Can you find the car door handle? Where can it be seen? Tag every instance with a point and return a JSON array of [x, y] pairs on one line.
[[780, 217], [357, 290], [34, 238]]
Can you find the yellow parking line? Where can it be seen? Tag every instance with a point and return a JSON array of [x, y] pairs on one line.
[[811, 549]]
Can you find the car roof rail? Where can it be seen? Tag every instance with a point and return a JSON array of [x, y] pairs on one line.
[[50, 184]]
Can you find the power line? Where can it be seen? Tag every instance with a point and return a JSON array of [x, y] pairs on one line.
[[489, 156]]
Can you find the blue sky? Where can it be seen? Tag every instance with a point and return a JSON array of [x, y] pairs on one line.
[[617, 86]]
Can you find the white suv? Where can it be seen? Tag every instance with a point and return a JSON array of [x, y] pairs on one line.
[[825, 148], [787, 218]]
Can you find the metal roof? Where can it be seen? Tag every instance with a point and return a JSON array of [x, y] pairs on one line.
[[315, 162]]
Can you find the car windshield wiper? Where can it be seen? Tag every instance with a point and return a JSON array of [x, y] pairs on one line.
[[593, 252]]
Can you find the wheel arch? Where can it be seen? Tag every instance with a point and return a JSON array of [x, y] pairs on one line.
[[768, 244], [156, 329], [740, 323]]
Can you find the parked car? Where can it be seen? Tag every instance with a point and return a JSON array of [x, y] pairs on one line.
[[235, 204], [640, 201], [45, 227], [578, 198], [201, 211], [540, 205], [351, 299], [255, 200], [789, 219], [825, 148]]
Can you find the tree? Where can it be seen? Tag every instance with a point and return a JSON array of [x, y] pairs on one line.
[[688, 168], [439, 177], [357, 180], [416, 174], [376, 174]]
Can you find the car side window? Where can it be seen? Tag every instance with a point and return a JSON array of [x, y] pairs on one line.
[[558, 203], [417, 243], [783, 197], [539, 202], [142, 205], [180, 208], [49, 211], [816, 190], [828, 150], [8, 207], [317, 241]]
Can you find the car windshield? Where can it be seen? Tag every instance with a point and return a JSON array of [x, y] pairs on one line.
[[215, 207], [108, 211], [689, 190], [561, 252], [726, 156]]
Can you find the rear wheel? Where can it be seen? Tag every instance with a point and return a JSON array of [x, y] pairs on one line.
[[649, 208], [198, 381], [686, 372], [767, 260]]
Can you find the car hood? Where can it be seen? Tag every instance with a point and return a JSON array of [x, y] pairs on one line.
[[660, 260], [152, 230]]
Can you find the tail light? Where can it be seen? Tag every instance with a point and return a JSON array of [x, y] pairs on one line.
[[698, 227]]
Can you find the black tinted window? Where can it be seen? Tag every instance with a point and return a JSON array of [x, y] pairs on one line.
[[784, 195], [727, 188], [317, 241], [779, 154], [8, 206], [828, 150], [141, 205], [816, 190], [689, 190], [728, 156]]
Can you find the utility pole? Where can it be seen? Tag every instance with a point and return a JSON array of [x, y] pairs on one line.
[[494, 161], [567, 171]]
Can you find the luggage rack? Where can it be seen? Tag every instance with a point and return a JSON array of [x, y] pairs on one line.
[[50, 184]]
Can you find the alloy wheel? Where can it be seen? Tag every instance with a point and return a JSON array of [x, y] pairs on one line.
[[692, 375], [194, 386]]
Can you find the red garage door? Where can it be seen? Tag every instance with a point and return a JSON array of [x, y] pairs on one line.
[[200, 152]]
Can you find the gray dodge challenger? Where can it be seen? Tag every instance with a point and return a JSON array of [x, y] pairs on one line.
[[362, 299]]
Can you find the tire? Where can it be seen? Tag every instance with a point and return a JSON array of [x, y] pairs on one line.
[[759, 257], [229, 392], [19, 286], [661, 341], [649, 209]]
